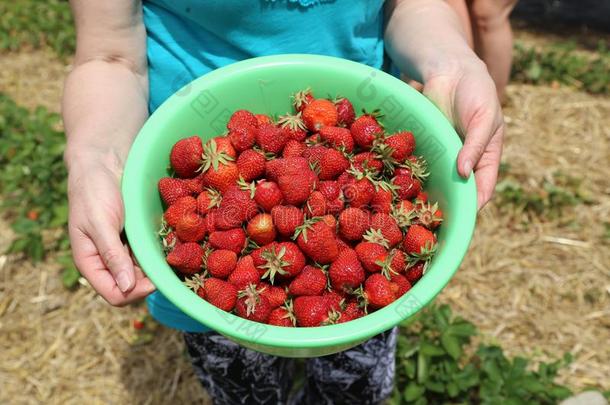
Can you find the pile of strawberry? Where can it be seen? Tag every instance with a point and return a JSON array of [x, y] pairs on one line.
[[315, 219]]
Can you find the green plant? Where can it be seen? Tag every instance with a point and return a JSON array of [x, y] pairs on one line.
[[36, 23], [33, 183], [560, 63], [432, 367]]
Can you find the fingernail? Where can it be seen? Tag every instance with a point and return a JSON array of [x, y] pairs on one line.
[[123, 281], [467, 168]]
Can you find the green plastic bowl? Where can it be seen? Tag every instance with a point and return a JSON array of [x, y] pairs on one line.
[[263, 85]]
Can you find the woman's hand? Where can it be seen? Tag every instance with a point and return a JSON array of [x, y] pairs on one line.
[[95, 224], [465, 92]]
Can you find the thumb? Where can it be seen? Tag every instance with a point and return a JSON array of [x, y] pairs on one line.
[[114, 255]]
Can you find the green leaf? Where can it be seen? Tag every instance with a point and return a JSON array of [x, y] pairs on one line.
[[69, 277], [431, 350], [422, 368], [451, 345], [413, 391], [435, 386], [452, 389], [465, 329]]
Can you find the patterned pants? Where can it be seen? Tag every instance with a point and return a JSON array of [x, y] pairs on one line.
[[233, 374]]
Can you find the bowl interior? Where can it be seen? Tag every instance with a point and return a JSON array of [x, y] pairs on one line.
[[263, 85]]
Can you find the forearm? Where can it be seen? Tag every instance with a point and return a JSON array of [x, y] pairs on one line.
[[425, 37]]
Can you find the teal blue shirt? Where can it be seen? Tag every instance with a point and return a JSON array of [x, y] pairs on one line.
[[186, 39]]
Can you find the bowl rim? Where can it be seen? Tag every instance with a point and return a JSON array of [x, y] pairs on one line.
[[282, 337]]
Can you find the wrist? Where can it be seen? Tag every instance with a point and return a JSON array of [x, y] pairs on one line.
[[84, 158], [452, 64]]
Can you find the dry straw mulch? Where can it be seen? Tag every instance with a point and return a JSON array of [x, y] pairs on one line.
[[537, 286]]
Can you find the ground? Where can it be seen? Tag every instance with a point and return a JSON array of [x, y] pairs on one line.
[[537, 285]]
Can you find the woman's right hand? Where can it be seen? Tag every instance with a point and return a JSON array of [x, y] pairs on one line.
[[95, 224]]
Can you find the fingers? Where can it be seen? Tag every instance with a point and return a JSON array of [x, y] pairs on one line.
[[486, 171], [479, 131]]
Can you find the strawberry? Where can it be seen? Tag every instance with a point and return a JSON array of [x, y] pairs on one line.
[[170, 241], [379, 291], [222, 178], [421, 197], [334, 299], [342, 245], [293, 127], [371, 255], [318, 241], [257, 256], [293, 149], [316, 205], [260, 229], [320, 113], [236, 207], [185, 156], [352, 311], [429, 215], [271, 138], [290, 166], [221, 263], [251, 165], [195, 184], [242, 138], [301, 99], [407, 186], [402, 144], [365, 129], [330, 220], [281, 316], [337, 137], [345, 111], [419, 241], [268, 195], [311, 281], [403, 284], [241, 119], [263, 119], [367, 161], [177, 210], [208, 199], [346, 272], [353, 222], [210, 220], [287, 219], [233, 239], [332, 164], [382, 201], [220, 293], [359, 193], [187, 258], [404, 213], [276, 295], [220, 145], [190, 227], [388, 227], [332, 193], [313, 154], [313, 311], [398, 262], [285, 259], [416, 271], [172, 189], [244, 274], [297, 188], [252, 305]]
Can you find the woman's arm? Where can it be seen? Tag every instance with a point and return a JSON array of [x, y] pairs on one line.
[[104, 106], [426, 41]]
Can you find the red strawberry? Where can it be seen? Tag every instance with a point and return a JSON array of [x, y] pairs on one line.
[[388, 227], [337, 137], [172, 189], [301, 99], [332, 164], [293, 127], [408, 187], [285, 166], [241, 119], [268, 195], [359, 193], [404, 213], [320, 113], [281, 317], [415, 272], [332, 193], [346, 272], [222, 178], [207, 199], [263, 119], [287, 218], [318, 241], [242, 138], [223, 147], [297, 188], [334, 299], [251, 165], [402, 143], [403, 284], [365, 129], [313, 311], [330, 220], [313, 154], [372, 256], [382, 201], [379, 291], [311, 281], [190, 227], [353, 223], [195, 184], [429, 215], [345, 110], [419, 241], [398, 263], [257, 256], [236, 207], [252, 305], [293, 149], [244, 274], [342, 245], [352, 311], [233, 239], [187, 258], [316, 205], [367, 161], [177, 210], [185, 156], [219, 293], [285, 259], [210, 220], [170, 241], [270, 138], [421, 197], [275, 294], [221, 263], [260, 229]]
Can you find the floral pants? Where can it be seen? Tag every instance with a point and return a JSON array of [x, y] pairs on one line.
[[233, 374]]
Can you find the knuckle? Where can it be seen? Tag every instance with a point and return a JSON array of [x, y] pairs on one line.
[[111, 256]]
